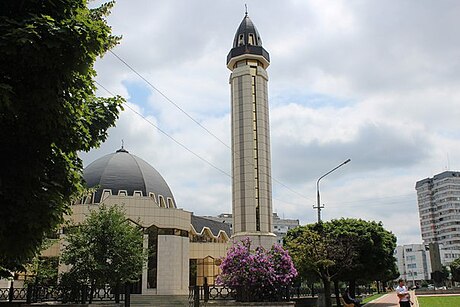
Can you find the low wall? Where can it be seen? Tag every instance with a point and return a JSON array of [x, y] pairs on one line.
[[421, 292]]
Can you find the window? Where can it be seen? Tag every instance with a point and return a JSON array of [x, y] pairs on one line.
[[201, 269], [251, 39], [106, 193], [161, 201], [152, 195], [122, 193], [241, 40], [138, 193]]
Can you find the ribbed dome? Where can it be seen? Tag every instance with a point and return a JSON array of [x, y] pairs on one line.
[[242, 35], [247, 44], [122, 171]]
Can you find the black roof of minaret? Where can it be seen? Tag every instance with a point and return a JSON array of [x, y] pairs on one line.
[[247, 41], [247, 27]]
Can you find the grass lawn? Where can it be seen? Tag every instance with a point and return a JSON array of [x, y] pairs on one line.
[[372, 297], [441, 301]]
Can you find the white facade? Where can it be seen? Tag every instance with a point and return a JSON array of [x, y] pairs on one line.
[[439, 210], [416, 262], [413, 262], [282, 225]]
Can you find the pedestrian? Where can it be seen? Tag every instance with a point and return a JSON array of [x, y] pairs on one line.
[[349, 299], [403, 295]]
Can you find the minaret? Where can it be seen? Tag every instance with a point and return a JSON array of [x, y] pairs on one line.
[[251, 163]]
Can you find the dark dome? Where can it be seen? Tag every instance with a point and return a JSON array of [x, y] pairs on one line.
[[245, 29], [122, 171], [247, 42]]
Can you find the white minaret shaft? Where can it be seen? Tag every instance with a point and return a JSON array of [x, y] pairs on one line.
[[251, 163]]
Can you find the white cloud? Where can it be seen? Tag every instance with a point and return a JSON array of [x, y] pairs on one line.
[[377, 82]]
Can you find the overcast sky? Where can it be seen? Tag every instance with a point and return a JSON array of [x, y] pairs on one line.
[[374, 81]]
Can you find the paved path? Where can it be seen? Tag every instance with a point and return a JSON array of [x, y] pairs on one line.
[[390, 300]]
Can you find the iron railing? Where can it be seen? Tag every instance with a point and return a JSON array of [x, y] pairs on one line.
[[77, 294]]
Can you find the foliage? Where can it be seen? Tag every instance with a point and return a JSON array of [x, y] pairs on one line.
[[45, 270], [105, 249], [344, 249], [260, 273], [374, 249], [315, 249], [455, 270], [48, 112]]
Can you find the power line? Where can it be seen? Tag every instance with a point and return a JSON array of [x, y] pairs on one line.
[[166, 134], [197, 122], [348, 203], [169, 136]]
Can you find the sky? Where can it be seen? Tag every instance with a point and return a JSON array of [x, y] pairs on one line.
[[377, 82]]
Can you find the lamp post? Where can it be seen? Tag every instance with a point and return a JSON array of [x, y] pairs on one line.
[[318, 199]]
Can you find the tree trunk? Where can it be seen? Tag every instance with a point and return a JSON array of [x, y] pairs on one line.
[[327, 291], [352, 288], [337, 292]]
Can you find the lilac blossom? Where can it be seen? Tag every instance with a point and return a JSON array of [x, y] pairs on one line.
[[259, 273]]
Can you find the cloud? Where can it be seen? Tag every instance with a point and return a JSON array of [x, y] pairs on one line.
[[374, 82]]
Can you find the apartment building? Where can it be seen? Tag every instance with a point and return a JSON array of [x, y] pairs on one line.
[[439, 211]]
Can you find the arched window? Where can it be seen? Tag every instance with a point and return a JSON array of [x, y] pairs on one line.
[[106, 193], [161, 201], [138, 193], [251, 39], [152, 195], [241, 40]]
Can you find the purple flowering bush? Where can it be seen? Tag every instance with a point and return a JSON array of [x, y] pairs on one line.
[[257, 274]]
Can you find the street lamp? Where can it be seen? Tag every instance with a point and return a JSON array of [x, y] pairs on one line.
[[318, 200]]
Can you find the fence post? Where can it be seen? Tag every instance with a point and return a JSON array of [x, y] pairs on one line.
[[11, 292], [206, 289], [117, 292], [127, 294], [30, 290], [196, 296], [84, 294]]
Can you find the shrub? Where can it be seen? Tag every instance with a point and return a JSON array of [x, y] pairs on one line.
[[257, 274]]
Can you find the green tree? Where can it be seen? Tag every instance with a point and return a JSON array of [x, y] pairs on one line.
[[105, 249], [343, 250], [316, 250], [48, 112], [455, 270], [374, 250]]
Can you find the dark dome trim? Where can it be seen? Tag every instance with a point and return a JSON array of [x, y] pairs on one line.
[[122, 171]]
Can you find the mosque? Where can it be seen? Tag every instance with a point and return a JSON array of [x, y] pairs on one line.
[[187, 248]]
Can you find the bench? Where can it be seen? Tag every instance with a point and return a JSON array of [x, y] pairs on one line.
[[342, 301]]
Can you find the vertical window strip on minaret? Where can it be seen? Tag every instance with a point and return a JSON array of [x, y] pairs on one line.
[[241, 154], [253, 70]]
